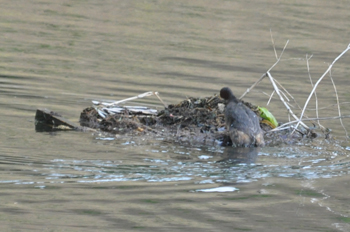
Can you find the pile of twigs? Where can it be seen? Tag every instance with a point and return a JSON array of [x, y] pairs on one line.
[[285, 96]]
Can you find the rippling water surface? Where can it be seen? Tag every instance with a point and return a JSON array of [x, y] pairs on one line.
[[62, 55]]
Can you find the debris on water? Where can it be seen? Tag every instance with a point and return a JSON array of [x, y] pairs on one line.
[[46, 120], [193, 120]]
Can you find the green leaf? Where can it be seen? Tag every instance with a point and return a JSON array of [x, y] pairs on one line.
[[265, 114]]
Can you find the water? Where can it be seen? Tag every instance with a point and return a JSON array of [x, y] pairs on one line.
[[62, 55]]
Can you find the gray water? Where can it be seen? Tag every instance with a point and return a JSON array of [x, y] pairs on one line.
[[62, 55]]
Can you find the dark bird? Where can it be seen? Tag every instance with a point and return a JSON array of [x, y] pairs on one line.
[[241, 122]]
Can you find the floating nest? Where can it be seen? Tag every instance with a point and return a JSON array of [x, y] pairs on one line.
[[194, 120]]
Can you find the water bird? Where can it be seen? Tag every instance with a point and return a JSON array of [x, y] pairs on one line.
[[241, 122]]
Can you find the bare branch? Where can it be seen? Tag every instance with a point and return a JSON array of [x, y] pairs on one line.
[[325, 107], [286, 125], [312, 84], [273, 44], [253, 86], [336, 95], [318, 82], [268, 102], [157, 95], [290, 95], [282, 99], [264, 75], [130, 99]]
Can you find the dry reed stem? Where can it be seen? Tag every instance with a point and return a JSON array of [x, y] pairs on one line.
[[312, 84], [284, 89], [146, 94], [282, 99], [317, 83], [130, 99], [157, 95], [273, 44], [276, 89], [286, 125], [265, 74], [252, 87], [285, 96], [290, 95], [325, 107], [270, 98], [300, 120], [336, 95]]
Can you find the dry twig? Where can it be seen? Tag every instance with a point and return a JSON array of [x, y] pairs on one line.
[[265, 74], [336, 95], [282, 94], [273, 44], [312, 84], [317, 83], [282, 99], [286, 125], [131, 98]]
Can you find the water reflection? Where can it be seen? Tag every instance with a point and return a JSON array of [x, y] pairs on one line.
[[236, 155], [163, 161]]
